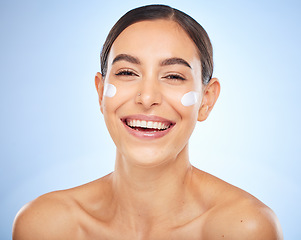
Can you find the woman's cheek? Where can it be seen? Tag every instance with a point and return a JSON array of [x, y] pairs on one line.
[[115, 95], [185, 100], [109, 96]]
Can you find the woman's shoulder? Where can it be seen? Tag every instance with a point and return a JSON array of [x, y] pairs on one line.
[[242, 218], [57, 215], [232, 213], [48, 216]]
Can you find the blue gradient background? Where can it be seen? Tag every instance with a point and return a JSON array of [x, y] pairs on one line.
[[52, 132]]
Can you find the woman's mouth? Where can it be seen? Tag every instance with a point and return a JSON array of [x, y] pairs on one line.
[[147, 126], [142, 125]]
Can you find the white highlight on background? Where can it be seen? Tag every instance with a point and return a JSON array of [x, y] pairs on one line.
[[109, 90], [190, 98]]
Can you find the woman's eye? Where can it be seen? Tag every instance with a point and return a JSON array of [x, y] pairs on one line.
[[175, 77], [126, 73]]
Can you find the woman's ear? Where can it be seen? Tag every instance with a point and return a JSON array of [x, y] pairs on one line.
[[210, 95], [99, 84]]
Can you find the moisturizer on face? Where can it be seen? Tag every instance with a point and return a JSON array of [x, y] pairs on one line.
[[109, 90], [190, 98]]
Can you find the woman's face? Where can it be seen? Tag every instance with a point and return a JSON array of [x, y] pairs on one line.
[[152, 65]]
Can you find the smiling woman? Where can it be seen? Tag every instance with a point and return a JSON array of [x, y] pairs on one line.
[[155, 84]]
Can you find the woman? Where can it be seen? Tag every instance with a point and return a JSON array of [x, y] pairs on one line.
[[155, 84]]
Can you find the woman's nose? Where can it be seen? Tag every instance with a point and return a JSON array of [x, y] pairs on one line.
[[149, 93]]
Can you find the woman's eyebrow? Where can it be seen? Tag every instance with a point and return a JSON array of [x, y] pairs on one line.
[[172, 61], [126, 57], [165, 62]]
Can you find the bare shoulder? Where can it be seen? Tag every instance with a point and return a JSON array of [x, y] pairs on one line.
[[235, 214], [63, 214], [242, 219], [50, 216]]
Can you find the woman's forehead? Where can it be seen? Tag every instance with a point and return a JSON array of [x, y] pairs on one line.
[[156, 38]]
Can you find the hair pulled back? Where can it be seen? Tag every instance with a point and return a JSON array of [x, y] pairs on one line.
[[154, 12]]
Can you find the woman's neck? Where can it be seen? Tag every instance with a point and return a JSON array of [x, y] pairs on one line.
[[154, 192]]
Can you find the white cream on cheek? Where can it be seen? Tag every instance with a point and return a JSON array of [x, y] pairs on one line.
[[109, 90], [187, 100], [190, 98]]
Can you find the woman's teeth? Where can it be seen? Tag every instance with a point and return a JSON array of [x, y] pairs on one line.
[[147, 124]]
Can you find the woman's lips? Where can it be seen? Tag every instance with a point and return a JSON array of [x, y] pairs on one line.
[[147, 126]]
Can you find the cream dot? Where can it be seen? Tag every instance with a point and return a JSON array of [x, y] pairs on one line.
[[109, 90], [190, 98]]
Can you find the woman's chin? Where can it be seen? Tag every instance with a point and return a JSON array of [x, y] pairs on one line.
[[147, 158]]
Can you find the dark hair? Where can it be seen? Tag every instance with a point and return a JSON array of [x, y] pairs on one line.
[[153, 12]]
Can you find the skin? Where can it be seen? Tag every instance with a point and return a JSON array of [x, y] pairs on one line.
[[154, 192]]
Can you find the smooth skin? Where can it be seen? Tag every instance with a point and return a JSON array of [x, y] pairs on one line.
[[154, 191]]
